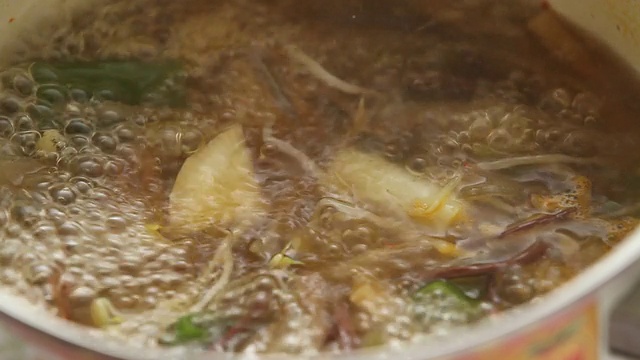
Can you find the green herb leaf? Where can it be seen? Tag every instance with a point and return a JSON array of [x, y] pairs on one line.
[[185, 330], [130, 82]]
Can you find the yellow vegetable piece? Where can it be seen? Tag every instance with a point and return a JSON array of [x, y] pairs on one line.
[[373, 297], [103, 313], [373, 179], [281, 261], [426, 209], [446, 248], [49, 141], [154, 229], [217, 186]]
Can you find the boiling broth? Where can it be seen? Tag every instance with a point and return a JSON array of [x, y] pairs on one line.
[[277, 176]]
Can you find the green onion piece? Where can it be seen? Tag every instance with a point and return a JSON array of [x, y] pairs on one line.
[[203, 328], [442, 288], [185, 330]]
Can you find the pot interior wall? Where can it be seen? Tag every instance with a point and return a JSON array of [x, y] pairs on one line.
[[27, 16], [615, 22]]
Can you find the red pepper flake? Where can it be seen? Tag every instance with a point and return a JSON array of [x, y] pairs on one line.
[[12, 20]]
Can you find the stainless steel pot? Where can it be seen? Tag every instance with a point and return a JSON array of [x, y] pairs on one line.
[[570, 323]]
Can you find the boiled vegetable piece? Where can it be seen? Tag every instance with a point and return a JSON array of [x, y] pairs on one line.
[[50, 141], [441, 304], [214, 330], [282, 261], [103, 313], [195, 327], [216, 186], [187, 330], [129, 82], [371, 178], [444, 288]]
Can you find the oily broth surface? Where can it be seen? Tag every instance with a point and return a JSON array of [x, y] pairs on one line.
[[78, 221]]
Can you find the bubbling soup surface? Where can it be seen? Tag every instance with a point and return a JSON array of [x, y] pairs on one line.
[[286, 176]]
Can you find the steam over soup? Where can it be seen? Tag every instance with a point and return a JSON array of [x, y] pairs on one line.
[[303, 176]]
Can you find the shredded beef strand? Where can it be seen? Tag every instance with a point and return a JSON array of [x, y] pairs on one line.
[[541, 220], [528, 255]]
